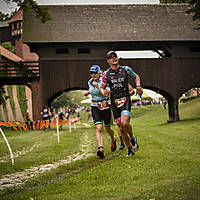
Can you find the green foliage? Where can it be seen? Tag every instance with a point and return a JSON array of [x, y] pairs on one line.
[[21, 95], [174, 1], [195, 10], [2, 95], [12, 103], [195, 7], [8, 46], [3, 99], [8, 16], [5, 111], [71, 98], [40, 11], [4, 17]]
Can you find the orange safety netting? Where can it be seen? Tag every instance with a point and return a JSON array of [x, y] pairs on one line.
[[38, 125]]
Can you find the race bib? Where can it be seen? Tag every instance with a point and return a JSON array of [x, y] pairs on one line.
[[120, 102], [103, 105]]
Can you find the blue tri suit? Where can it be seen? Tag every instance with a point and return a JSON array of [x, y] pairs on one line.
[[99, 116]]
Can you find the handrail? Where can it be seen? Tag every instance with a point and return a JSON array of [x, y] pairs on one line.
[[28, 70]]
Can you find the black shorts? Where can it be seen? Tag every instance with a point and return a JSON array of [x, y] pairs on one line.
[[117, 112], [100, 116]]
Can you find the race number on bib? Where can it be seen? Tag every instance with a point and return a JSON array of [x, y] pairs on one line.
[[120, 102], [103, 105]]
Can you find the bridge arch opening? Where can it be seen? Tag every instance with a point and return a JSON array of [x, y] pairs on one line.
[[137, 54], [173, 109], [189, 101], [67, 99], [66, 93]]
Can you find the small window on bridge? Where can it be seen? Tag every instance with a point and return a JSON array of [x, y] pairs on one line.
[[83, 51], [62, 51], [195, 49]]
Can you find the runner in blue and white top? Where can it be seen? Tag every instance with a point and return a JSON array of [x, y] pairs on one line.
[[117, 79], [101, 111], [95, 92]]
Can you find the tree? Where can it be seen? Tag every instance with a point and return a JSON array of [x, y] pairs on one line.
[[195, 7], [71, 98], [4, 17], [174, 1], [40, 11], [3, 96]]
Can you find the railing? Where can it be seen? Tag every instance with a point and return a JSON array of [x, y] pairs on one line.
[[28, 71]]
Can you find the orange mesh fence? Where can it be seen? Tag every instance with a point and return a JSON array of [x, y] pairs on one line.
[[38, 125]]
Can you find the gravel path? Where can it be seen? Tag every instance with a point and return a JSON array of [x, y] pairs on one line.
[[19, 178]]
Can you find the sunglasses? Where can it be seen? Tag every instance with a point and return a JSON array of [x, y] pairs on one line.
[[113, 56], [93, 73]]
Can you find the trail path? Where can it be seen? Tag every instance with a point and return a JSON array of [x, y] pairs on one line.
[[19, 178]]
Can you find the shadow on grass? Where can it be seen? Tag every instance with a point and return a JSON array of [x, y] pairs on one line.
[[189, 120], [57, 175]]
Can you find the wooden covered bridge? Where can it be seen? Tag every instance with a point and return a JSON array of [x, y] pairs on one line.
[[79, 36]]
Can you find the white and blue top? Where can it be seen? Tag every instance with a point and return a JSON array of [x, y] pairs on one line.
[[96, 94]]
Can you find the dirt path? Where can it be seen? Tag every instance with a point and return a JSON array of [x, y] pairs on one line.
[[18, 154], [19, 178]]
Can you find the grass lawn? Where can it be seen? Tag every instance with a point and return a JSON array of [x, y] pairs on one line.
[[166, 167]]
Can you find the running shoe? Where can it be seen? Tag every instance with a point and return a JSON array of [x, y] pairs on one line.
[[135, 143], [113, 146], [122, 146], [100, 153], [130, 152]]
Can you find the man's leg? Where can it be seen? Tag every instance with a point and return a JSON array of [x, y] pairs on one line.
[[110, 132], [125, 120], [124, 130], [121, 139]]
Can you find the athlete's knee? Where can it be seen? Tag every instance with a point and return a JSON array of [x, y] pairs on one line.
[[99, 127], [125, 121]]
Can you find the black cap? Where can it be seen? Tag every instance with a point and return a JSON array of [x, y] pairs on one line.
[[108, 55]]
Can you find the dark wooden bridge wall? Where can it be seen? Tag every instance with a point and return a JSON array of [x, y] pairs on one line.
[[171, 77]]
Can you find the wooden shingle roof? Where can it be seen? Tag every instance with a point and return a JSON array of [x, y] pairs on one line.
[[112, 23], [18, 16]]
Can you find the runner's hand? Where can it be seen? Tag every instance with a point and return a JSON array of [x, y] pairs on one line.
[[107, 92], [139, 91], [95, 84]]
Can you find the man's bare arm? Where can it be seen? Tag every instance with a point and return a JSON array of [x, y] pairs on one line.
[[104, 91]]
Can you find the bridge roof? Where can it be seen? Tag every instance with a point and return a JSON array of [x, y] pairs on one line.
[[112, 23]]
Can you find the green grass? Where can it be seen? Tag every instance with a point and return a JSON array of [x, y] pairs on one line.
[[12, 103], [21, 95], [167, 166]]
